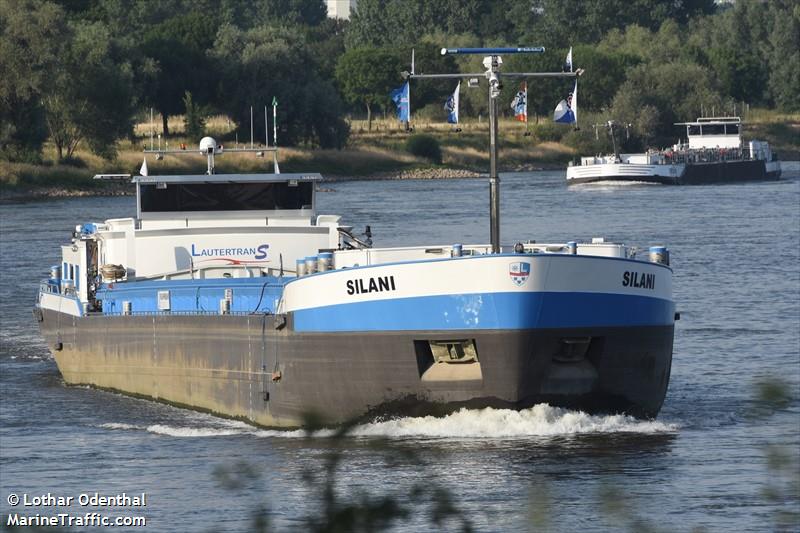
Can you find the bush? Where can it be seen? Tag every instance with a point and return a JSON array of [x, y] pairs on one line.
[[547, 131], [73, 161], [194, 123], [432, 112], [585, 143], [425, 146]]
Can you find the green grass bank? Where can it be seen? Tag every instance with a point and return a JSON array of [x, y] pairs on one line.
[[379, 151]]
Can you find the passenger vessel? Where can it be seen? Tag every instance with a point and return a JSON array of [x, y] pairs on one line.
[[714, 152]]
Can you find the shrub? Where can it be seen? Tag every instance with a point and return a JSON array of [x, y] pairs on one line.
[[584, 142], [194, 122], [547, 131], [425, 146]]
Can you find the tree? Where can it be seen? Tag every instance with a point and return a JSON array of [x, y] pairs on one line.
[[367, 75], [379, 23], [263, 63], [563, 24], [784, 59], [178, 46], [30, 39], [740, 73], [193, 121], [89, 96], [655, 96]]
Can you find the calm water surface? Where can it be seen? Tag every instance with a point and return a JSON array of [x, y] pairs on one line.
[[702, 464]]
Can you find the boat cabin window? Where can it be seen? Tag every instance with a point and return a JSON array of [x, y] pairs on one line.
[[172, 197], [693, 130], [713, 129], [732, 129]]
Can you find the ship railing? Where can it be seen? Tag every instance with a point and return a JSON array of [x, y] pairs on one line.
[[704, 155], [49, 286], [177, 313]]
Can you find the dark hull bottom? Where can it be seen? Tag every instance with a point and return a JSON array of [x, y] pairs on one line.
[[251, 367], [726, 172], [700, 174]]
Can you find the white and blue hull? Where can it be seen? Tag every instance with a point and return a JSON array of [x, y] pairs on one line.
[[505, 330]]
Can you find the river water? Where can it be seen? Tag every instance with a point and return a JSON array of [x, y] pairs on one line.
[[716, 458]]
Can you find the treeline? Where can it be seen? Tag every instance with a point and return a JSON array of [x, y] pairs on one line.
[[80, 71]]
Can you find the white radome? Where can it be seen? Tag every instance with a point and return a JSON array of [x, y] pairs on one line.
[[207, 143]]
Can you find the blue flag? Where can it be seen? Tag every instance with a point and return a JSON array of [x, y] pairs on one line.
[[400, 97]]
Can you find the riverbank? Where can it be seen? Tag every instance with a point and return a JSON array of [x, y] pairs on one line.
[[376, 153], [367, 157]]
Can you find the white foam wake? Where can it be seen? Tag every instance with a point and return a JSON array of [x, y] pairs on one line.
[[609, 185], [119, 425], [172, 431], [539, 421]]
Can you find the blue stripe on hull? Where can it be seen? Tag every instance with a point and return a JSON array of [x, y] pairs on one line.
[[489, 311]]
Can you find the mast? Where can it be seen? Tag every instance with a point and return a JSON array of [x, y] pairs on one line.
[[492, 62], [493, 65]]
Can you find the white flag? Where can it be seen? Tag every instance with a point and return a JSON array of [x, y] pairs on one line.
[[575, 102], [143, 170], [451, 106], [568, 62]]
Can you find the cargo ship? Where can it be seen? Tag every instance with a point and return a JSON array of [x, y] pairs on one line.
[[229, 293], [714, 152]]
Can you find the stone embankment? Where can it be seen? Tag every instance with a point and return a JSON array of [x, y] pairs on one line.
[[7, 196], [414, 174], [120, 189]]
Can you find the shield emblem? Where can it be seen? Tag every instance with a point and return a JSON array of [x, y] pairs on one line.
[[519, 272]]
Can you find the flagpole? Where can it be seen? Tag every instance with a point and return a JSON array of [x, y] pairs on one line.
[[494, 177], [275, 133], [408, 124]]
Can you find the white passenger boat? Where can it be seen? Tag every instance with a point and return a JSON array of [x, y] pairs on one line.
[[714, 153]]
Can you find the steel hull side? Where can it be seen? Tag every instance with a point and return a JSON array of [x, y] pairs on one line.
[[725, 172], [225, 364]]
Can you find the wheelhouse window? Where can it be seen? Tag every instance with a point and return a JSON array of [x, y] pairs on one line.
[[172, 197], [713, 129]]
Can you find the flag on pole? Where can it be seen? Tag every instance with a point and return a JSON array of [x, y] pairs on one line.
[[400, 97], [567, 110], [520, 103], [568, 62], [574, 102], [143, 170], [275, 124], [451, 106]]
